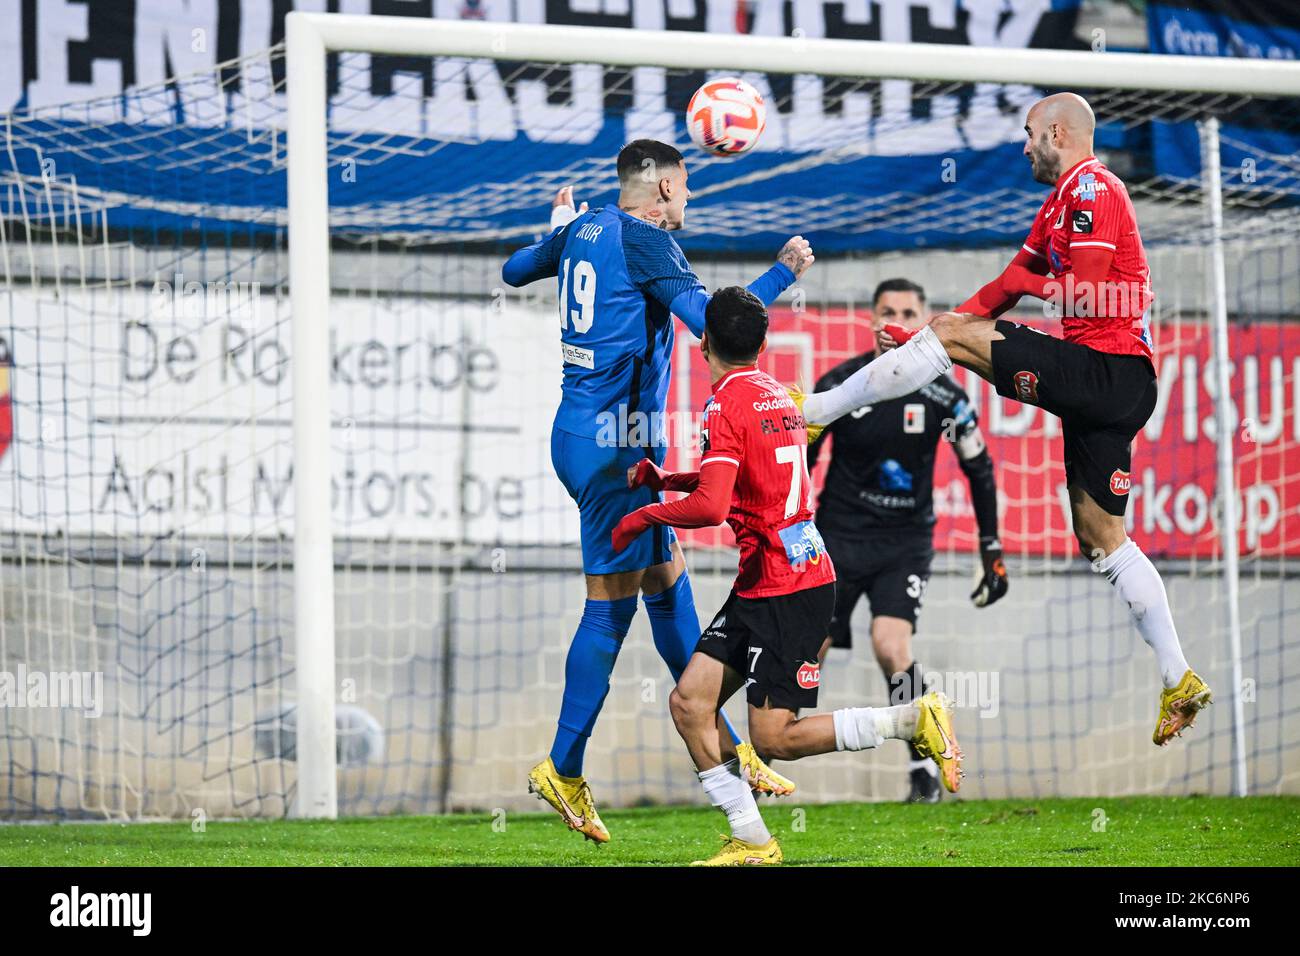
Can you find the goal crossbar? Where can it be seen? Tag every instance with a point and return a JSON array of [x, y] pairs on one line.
[[861, 59]]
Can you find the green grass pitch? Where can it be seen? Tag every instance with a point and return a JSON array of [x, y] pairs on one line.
[[1147, 831]]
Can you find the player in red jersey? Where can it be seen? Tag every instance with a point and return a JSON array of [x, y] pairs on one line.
[[772, 632], [1099, 379]]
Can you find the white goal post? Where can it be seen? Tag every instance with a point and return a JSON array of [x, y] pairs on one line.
[[311, 36]]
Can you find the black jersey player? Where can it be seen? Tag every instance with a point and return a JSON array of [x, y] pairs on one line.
[[876, 509]]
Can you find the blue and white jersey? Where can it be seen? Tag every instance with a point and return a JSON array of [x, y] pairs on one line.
[[620, 281]]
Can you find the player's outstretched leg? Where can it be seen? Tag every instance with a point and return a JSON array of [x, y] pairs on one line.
[[926, 723], [558, 779], [921, 357], [894, 374], [675, 625]]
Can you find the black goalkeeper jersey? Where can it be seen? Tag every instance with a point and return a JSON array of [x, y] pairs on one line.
[[881, 473]]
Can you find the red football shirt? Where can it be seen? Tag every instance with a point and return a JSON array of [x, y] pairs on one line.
[[752, 423], [1091, 208]]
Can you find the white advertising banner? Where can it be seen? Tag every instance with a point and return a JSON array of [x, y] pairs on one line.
[[156, 413]]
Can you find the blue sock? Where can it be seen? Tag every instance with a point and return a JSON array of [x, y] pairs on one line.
[[591, 659], [676, 629]]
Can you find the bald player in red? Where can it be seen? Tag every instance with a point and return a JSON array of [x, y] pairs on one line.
[[772, 632], [1083, 253]]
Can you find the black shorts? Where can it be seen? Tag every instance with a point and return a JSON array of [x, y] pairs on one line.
[[891, 568], [1103, 400], [775, 643]]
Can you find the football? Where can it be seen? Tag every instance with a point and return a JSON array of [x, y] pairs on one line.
[[726, 116]]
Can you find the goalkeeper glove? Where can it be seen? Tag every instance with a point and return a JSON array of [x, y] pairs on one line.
[[993, 584]]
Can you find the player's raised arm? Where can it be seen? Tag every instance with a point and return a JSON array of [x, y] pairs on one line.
[[1077, 295], [659, 267], [562, 208], [1005, 291], [541, 260]]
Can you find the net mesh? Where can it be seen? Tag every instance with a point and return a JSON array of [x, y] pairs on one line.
[[146, 519]]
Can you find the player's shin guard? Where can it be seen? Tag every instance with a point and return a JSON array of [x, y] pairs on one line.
[[676, 629], [1139, 586], [898, 372], [863, 728], [586, 678], [728, 791], [674, 624]]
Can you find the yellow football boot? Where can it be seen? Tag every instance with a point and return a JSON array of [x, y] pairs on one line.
[[797, 396], [1179, 707], [571, 798], [934, 738], [739, 853], [760, 777]]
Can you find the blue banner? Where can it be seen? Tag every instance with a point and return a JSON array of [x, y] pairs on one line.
[[1259, 140], [465, 153]]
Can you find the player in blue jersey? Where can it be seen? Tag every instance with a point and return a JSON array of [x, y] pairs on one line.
[[621, 279]]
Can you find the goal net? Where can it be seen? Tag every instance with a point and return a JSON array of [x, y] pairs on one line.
[[147, 515]]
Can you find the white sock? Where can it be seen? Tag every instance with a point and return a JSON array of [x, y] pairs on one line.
[[898, 372], [862, 728], [728, 791], [1139, 585]]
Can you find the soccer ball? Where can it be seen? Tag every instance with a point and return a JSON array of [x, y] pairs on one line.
[[726, 116]]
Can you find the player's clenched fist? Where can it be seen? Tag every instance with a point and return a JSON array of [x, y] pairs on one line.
[[796, 255], [627, 530], [646, 474], [562, 211]]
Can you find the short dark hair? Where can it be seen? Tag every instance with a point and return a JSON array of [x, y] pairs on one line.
[[897, 285], [736, 323], [641, 154]]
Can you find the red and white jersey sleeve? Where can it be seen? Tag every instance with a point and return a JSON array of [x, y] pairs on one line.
[[1091, 209], [752, 421]]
